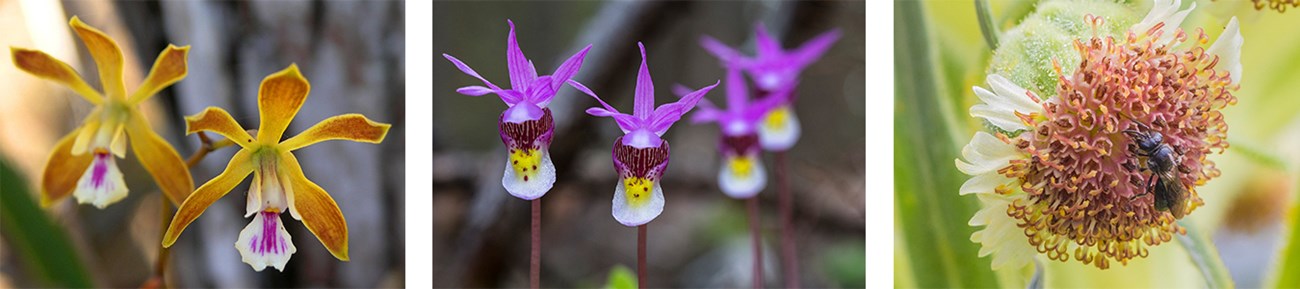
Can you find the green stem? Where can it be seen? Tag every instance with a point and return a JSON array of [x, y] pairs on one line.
[[987, 27], [1205, 256]]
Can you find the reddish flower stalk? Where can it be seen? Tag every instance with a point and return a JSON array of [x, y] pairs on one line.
[[789, 261], [640, 256], [535, 266], [756, 227]]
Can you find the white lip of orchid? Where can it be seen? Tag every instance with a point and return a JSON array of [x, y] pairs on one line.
[[265, 242], [632, 216], [782, 137], [742, 186], [102, 183]]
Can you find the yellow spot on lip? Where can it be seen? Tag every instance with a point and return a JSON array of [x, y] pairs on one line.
[[525, 162], [638, 190], [741, 167], [777, 118]]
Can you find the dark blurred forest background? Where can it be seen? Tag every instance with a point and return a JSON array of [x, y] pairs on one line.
[[702, 238], [352, 52]]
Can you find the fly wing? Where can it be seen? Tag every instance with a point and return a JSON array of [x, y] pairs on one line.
[[1174, 192]]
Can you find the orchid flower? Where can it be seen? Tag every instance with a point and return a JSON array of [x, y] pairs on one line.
[[742, 174], [526, 126], [774, 69], [640, 155], [81, 164], [278, 180]]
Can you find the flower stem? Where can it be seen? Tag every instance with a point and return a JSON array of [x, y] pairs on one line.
[[790, 262], [640, 255], [757, 232], [159, 279], [985, 16], [535, 267]]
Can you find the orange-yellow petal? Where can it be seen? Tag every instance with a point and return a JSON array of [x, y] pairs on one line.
[[108, 57], [278, 100], [214, 189], [354, 127], [170, 67], [44, 66], [62, 170], [311, 204], [215, 119], [160, 159]]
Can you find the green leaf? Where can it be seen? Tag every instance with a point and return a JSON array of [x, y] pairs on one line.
[[621, 278], [1205, 256], [43, 248], [931, 217]]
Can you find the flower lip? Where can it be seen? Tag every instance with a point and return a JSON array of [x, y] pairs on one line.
[[640, 162], [531, 134]]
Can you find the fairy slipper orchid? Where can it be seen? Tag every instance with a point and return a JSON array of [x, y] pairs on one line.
[[774, 69], [83, 163], [526, 126], [640, 156], [742, 174], [278, 181]]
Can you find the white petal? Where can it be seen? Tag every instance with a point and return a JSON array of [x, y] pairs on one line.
[[530, 177], [742, 177], [1001, 104], [635, 215], [1002, 118], [264, 242], [779, 134], [1012, 95], [983, 183], [1163, 11], [1228, 48], [101, 184], [1001, 237], [986, 153]]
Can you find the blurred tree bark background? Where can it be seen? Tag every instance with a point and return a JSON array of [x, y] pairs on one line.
[[701, 240], [352, 52]]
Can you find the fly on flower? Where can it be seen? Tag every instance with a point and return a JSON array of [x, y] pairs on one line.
[[640, 155], [83, 163], [278, 180], [1057, 176], [527, 125], [774, 69], [742, 174]]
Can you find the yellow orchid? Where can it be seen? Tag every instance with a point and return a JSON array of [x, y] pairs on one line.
[[80, 163], [278, 180]]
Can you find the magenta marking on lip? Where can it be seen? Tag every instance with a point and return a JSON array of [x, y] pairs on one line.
[[269, 241], [100, 170]]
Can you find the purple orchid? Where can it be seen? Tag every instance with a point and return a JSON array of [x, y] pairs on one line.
[[641, 156], [742, 174], [526, 127], [774, 69]]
